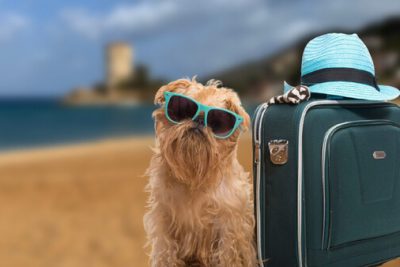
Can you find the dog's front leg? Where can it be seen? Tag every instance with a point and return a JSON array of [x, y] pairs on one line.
[[166, 253], [236, 244]]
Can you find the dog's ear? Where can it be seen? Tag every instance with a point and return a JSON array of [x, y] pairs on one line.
[[246, 118], [171, 87], [237, 107]]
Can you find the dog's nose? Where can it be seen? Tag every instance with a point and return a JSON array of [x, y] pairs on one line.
[[199, 122]]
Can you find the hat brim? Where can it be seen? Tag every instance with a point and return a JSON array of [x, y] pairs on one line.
[[356, 90], [353, 90]]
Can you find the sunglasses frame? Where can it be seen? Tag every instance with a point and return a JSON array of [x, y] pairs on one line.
[[202, 108]]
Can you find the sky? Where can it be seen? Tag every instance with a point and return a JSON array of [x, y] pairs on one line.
[[49, 47]]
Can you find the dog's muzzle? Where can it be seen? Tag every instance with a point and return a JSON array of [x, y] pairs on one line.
[[198, 126], [199, 122]]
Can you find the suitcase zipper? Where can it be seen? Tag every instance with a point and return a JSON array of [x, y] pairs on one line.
[[257, 158], [257, 132]]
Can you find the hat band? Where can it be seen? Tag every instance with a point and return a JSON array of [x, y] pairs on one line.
[[339, 75]]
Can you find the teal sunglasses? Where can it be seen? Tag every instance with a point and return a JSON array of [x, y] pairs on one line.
[[222, 122]]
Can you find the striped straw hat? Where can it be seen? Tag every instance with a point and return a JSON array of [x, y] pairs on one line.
[[340, 64]]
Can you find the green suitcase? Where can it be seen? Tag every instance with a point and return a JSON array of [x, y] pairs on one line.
[[327, 183]]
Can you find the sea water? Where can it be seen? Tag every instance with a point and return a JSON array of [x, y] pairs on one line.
[[41, 122]]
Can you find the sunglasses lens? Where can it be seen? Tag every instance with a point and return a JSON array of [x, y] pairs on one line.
[[221, 122], [181, 108]]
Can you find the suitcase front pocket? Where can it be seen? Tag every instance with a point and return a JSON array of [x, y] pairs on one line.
[[360, 173]]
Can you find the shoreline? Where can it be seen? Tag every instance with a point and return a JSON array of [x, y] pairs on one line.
[[67, 149], [63, 149]]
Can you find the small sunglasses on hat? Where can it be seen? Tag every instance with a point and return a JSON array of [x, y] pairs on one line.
[[222, 122]]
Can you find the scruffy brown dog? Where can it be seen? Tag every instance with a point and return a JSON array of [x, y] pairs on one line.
[[200, 204]]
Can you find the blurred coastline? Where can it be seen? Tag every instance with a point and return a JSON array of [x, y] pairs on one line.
[[255, 81]]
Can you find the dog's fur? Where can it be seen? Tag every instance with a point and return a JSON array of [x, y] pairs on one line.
[[200, 204]]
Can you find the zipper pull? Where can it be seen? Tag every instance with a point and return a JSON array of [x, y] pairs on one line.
[[257, 153]]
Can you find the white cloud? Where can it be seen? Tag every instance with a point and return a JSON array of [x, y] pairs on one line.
[[122, 19], [160, 16], [144, 15], [11, 24], [82, 22], [147, 17]]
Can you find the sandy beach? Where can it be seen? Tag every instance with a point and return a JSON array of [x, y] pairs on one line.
[[78, 205]]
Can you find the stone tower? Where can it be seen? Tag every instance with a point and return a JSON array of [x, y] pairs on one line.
[[119, 63]]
